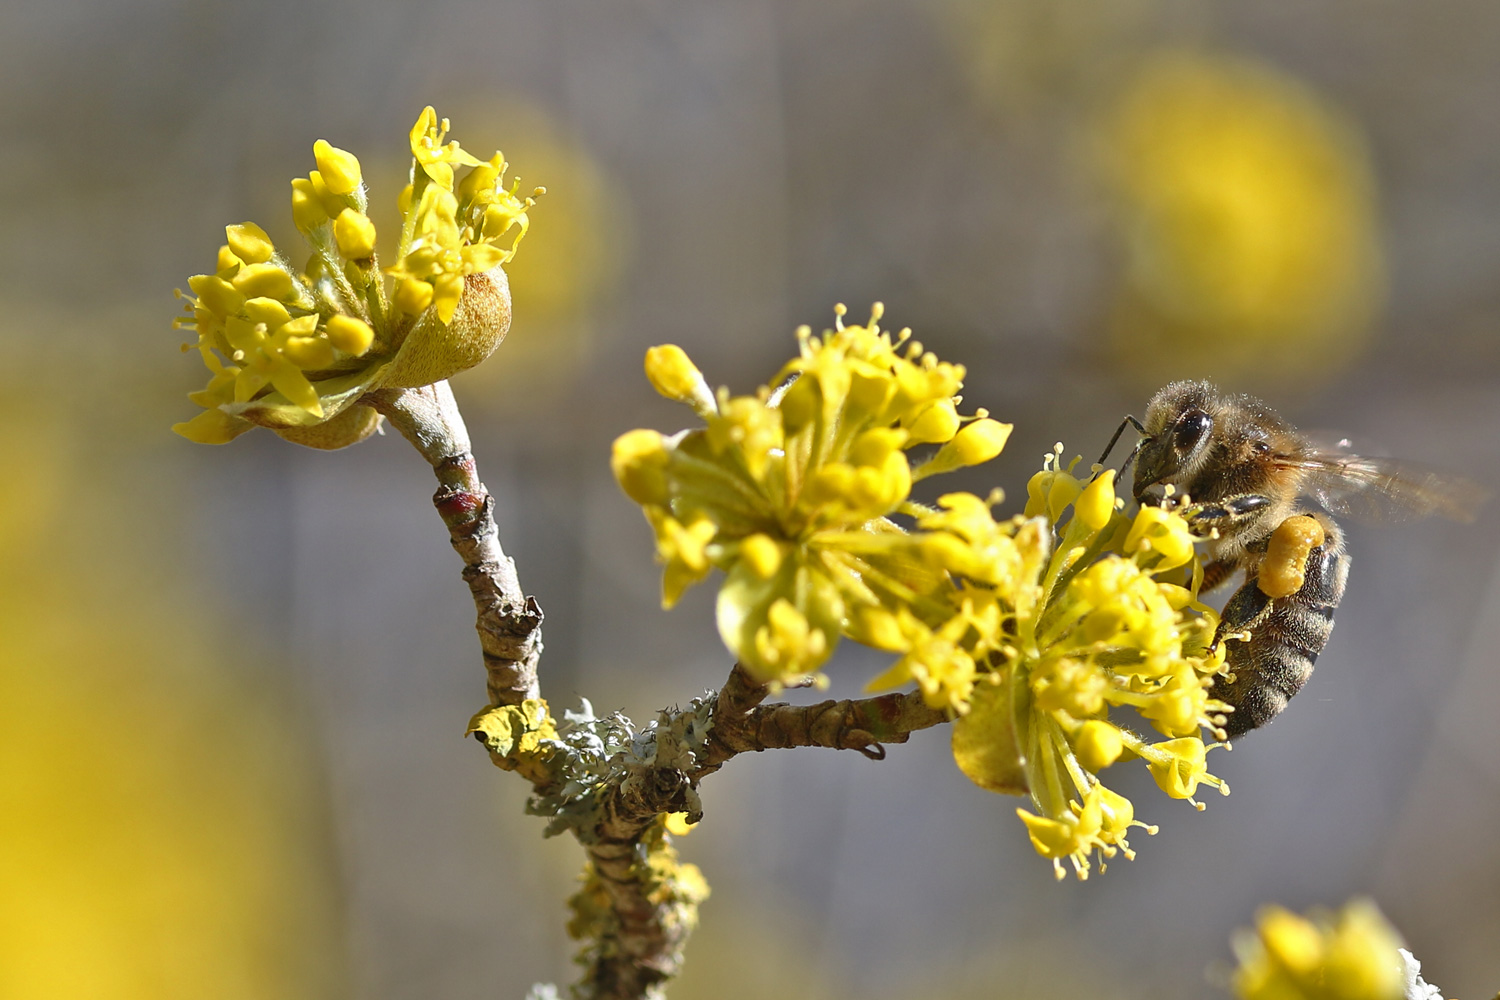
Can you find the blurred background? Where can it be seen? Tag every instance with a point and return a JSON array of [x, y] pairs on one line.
[[234, 681]]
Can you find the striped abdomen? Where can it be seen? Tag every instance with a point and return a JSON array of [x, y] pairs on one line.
[[1286, 636]]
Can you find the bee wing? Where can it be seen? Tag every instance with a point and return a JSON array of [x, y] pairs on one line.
[[1376, 489]]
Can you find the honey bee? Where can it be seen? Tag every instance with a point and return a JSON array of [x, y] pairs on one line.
[[1239, 474]]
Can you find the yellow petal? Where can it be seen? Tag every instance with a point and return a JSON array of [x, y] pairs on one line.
[[249, 243], [212, 427], [984, 742]]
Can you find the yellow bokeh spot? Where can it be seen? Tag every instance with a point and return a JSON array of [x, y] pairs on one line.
[[1246, 208]]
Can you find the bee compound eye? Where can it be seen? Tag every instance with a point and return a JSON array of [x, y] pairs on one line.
[[1191, 427]]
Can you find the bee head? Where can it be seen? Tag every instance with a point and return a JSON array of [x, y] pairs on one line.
[[1179, 428]]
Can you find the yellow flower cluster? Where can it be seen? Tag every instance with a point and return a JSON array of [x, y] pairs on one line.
[[789, 493], [1111, 621], [294, 349], [1351, 955], [1026, 630]]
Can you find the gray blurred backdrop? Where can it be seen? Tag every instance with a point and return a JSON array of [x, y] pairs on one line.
[[721, 171]]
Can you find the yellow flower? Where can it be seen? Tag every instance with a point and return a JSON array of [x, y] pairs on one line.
[[1028, 630], [1179, 766], [1092, 629], [1097, 825], [294, 350], [801, 485], [1350, 955], [683, 549]]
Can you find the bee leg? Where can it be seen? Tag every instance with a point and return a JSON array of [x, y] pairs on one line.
[[1208, 517], [1246, 609], [1288, 627], [1241, 687]]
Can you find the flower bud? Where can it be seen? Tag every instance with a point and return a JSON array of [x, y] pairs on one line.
[[434, 350], [227, 263], [761, 554], [271, 312], [264, 279], [309, 353], [1096, 505], [639, 461], [673, 374], [355, 234], [249, 243], [307, 207], [216, 295], [935, 424], [1097, 745], [976, 443], [349, 334], [413, 295], [339, 168]]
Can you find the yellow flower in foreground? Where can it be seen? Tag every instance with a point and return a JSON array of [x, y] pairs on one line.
[[1028, 630], [1350, 955], [294, 350], [1098, 624]]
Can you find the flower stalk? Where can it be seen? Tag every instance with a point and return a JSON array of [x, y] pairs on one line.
[[509, 623]]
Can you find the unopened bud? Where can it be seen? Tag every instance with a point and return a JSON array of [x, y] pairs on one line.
[[673, 374], [339, 168]]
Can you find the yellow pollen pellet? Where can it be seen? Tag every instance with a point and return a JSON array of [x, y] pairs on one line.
[[1284, 569], [355, 234], [350, 334], [339, 168]]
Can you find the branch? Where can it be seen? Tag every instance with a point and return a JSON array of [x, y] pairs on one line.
[[642, 946], [638, 904], [741, 723], [509, 623]]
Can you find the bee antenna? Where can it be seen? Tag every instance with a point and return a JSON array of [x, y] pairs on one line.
[[1130, 422]]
